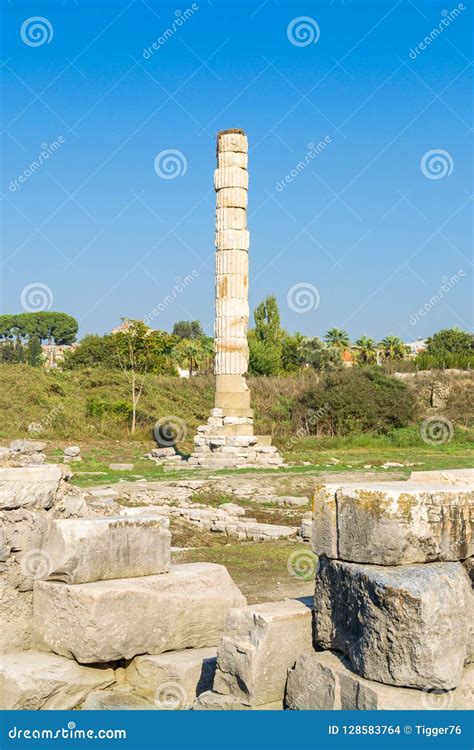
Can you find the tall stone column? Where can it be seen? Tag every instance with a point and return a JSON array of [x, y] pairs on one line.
[[228, 440], [232, 273]]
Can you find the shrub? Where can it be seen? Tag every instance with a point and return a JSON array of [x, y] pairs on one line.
[[354, 401]]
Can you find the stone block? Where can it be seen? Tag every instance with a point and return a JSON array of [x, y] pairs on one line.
[[231, 177], [211, 701], [232, 239], [31, 680], [229, 141], [72, 451], [232, 197], [215, 412], [232, 159], [118, 698], [406, 625], [27, 447], [449, 477], [259, 644], [231, 218], [99, 549], [98, 622], [29, 486], [185, 674], [393, 523], [322, 681], [163, 452], [121, 467]]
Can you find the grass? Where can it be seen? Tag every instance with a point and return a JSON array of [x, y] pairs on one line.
[[260, 569]]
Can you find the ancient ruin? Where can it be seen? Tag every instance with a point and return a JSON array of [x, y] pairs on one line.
[[228, 440]]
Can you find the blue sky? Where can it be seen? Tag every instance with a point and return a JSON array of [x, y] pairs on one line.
[[373, 222]]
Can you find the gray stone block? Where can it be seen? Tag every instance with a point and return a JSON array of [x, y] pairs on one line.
[[406, 625]]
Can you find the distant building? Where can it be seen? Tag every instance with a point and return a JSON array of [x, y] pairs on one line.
[[54, 354], [415, 347], [347, 358]]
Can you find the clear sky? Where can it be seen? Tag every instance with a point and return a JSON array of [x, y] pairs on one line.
[[370, 227]]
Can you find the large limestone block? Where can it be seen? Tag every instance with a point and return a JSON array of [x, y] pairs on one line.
[[393, 523], [31, 680], [29, 486], [16, 618], [109, 620], [406, 625], [450, 477], [231, 177], [232, 197], [98, 549], [232, 159], [231, 218], [259, 644], [232, 239], [185, 674], [322, 681]]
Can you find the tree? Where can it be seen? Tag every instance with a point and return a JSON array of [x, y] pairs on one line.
[[34, 352], [366, 350], [338, 339], [292, 358], [320, 356], [93, 351], [451, 341], [134, 359], [188, 329], [54, 327], [265, 340], [392, 347], [195, 354]]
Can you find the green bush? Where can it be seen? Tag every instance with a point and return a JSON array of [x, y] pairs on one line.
[[354, 401], [99, 408]]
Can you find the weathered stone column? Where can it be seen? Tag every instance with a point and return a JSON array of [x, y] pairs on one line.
[[232, 246], [228, 440]]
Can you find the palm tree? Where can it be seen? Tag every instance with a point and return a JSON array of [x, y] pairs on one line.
[[338, 339], [392, 347], [366, 350]]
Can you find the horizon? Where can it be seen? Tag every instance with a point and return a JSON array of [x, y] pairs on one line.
[[360, 178]]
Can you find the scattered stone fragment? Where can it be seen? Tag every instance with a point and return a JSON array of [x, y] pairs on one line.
[[121, 467], [30, 680], [383, 616], [259, 644], [72, 451]]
